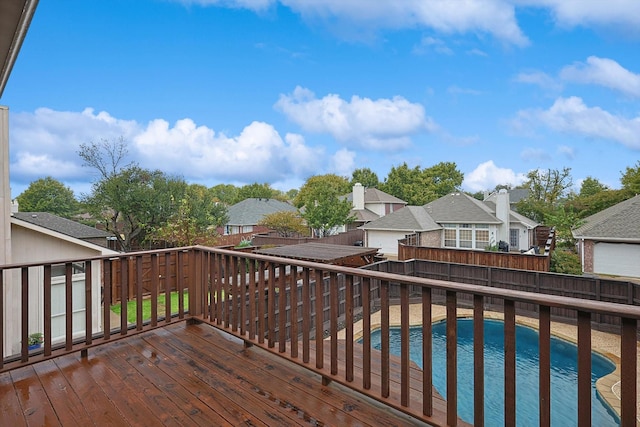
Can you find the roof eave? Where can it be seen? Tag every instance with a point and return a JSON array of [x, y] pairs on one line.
[[9, 57]]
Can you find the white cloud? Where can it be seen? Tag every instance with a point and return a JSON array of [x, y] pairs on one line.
[[487, 175], [604, 72], [383, 124], [457, 90], [571, 115], [343, 162], [428, 44], [540, 79], [610, 13], [46, 142], [566, 151], [535, 154]]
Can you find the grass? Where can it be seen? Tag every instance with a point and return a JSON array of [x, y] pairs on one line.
[[146, 307]]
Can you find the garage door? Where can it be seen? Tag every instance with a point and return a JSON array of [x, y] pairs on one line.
[[620, 259]]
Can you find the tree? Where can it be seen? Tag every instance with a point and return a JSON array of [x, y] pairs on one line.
[[630, 179], [323, 207], [48, 195], [546, 190], [420, 186], [586, 206], [285, 223], [134, 201], [366, 177], [257, 191], [107, 157], [225, 193], [591, 186]]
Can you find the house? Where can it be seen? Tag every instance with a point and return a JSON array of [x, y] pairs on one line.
[[609, 241], [245, 216], [43, 237], [370, 204], [454, 221]]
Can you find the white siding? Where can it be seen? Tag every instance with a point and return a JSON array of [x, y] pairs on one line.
[[386, 241], [619, 259]]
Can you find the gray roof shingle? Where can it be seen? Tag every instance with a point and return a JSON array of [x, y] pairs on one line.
[[409, 218], [251, 211], [460, 208], [619, 222], [373, 195], [61, 225]]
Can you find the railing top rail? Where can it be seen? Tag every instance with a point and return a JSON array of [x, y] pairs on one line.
[[599, 307]]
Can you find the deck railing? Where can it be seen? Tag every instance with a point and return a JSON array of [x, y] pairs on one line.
[[274, 303]]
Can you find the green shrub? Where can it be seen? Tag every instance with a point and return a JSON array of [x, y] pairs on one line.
[[566, 262]]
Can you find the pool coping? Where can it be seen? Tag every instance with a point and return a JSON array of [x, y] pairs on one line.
[[604, 343]]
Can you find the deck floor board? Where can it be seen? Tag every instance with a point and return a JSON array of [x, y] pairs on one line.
[[182, 374]]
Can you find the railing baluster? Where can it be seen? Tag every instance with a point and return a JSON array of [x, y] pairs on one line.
[[180, 283], [68, 293], [306, 314], [155, 283], [124, 283], [220, 289], [584, 368], [271, 301], [384, 338], [138, 285], [544, 325], [293, 297], [509, 363], [47, 310], [452, 360], [333, 317], [88, 304], [366, 333], [348, 306], [107, 267], [252, 299], [167, 285], [282, 308], [319, 274], [261, 302], [629, 371], [234, 287], [24, 283], [478, 360], [427, 353], [404, 345], [242, 295]]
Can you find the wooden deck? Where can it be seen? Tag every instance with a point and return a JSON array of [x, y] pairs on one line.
[[182, 374]]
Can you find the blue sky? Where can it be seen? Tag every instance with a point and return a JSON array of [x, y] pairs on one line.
[[244, 91]]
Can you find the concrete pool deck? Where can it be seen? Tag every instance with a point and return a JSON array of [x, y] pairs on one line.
[[607, 344]]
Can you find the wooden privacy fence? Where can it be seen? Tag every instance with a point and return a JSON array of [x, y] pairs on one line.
[[465, 256], [582, 287]]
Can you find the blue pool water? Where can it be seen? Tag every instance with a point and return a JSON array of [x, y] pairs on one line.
[[564, 373]]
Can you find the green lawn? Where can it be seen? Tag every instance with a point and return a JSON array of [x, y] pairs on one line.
[[146, 307]]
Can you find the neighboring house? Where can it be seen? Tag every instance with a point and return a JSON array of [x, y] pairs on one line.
[[370, 204], [43, 237], [609, 241], [245, 216], [454, 221]]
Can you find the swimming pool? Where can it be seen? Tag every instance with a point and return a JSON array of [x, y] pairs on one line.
[[564, 373]]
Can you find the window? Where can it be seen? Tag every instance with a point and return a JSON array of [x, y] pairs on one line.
[[482, 236], [466, 236], [450, 239]]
